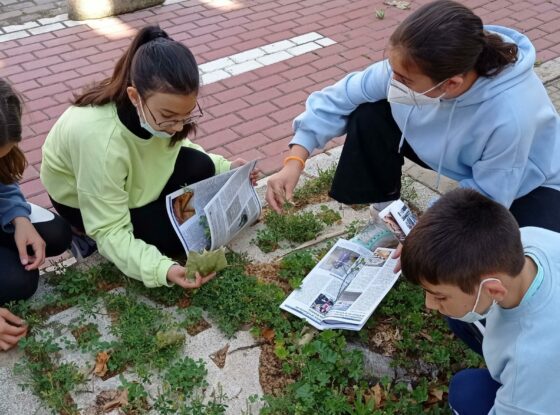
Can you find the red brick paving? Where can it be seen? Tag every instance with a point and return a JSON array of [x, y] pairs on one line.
[[248, 115]]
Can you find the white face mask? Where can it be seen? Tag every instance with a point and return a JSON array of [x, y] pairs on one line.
[[399, 93], [146, 125], [472, 315]]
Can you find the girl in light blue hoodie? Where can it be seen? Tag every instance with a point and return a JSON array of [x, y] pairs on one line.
[[453, 96], [28, 233]]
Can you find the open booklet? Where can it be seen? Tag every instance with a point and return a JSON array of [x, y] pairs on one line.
[[399, 219], [208, 214], [346, 286]]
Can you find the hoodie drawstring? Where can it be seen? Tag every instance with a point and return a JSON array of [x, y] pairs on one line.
[[445, 143], [404, 128]]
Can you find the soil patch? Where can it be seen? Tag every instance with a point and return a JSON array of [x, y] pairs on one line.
[[272, 378]]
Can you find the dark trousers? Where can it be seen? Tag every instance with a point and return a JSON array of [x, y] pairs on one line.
[[150, 222], [15, 282], [370, 168], [472, 392]]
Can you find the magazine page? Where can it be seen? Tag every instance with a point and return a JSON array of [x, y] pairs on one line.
[[234, 207], [326, 283], [360, 298], [185, 208], [399, 219]]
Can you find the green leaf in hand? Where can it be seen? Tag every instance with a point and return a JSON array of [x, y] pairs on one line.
[[206, 262]]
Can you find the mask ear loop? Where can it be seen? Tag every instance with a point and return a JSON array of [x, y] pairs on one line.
[[142, 110], [480, 290]]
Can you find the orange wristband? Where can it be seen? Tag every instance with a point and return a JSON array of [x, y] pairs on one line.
[[302, 161]]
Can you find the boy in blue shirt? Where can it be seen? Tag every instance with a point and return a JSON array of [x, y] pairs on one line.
[[474, 262]]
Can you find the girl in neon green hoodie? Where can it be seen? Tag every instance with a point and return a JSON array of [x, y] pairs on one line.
[[112, 157]]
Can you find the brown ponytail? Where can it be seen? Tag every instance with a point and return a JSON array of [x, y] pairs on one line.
[[495, 56], [445, 38], [13, 164]]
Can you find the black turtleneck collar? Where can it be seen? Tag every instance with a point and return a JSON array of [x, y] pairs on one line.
[[129, 117]]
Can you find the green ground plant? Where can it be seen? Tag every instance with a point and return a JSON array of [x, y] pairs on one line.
[[293, 226], [147, 336], [49, 381], [180, 382], [295, 266], [324, 376], [314, 187], [222, 296]]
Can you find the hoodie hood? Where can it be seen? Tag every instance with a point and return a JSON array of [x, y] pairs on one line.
[[486, 88], [501, 137]]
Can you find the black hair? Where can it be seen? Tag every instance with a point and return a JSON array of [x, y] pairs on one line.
[[445, 39], [152, 63]]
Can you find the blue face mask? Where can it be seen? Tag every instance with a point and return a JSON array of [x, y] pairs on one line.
[[146, 126], [472, 315]]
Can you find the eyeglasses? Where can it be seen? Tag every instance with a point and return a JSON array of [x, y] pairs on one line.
[[191, 119]]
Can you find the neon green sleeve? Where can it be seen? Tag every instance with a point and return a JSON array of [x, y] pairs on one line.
[[108, 222], [221, 163]]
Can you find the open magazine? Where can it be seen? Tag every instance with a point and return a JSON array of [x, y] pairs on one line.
[[346, 286], [208, 214], [399, 219]]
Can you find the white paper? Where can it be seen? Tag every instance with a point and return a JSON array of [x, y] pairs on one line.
[[399, 219], [344, 288], [226, 203]]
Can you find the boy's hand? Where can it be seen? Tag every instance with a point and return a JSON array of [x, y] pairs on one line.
[[177, 275], [12, 328], [25, 234], [255, 174], [397, 254]]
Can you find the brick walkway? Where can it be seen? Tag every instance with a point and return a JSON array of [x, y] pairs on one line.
[[247, 115], [19, 12]]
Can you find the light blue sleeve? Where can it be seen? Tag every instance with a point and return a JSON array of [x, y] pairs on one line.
[[326, 111], [12, 205]]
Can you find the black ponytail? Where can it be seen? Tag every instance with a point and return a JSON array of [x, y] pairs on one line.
[[152, 63]]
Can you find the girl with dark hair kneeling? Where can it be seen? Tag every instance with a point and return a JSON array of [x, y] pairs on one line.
[[28, 233], [453, 96], [112, 157]]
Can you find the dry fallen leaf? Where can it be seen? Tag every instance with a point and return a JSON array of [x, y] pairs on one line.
[[307, 334], [378, 395], [268, 334], [119, 399], [402, 5], [100, 368], [219, 357], [435, 395], [426, 336]]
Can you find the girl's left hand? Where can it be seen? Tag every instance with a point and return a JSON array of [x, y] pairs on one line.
[[255, 174], [25, 234]]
